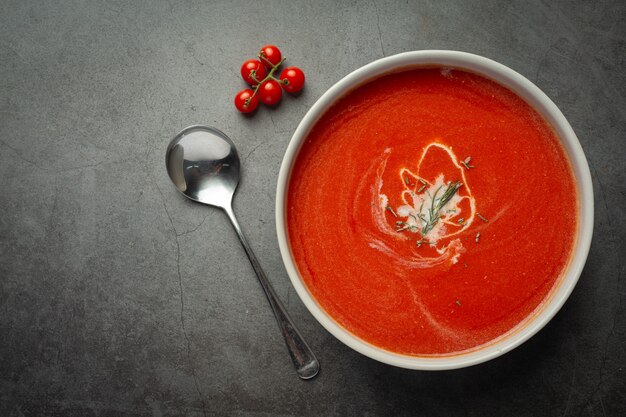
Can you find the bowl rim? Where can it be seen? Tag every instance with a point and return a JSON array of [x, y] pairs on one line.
[[533, 96]]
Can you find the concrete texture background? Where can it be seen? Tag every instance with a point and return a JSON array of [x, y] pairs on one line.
[[120, 298]]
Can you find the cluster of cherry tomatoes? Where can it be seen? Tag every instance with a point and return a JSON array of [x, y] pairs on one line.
[[259, 73]]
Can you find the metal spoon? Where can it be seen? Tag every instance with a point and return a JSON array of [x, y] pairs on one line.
[[203, 164]]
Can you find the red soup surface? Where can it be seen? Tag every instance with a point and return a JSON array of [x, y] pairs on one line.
[[431, 211]]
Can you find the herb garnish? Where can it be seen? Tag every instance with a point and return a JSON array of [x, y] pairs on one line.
[[391, 211], [477, 237], [437, 204], [401, 226], [466, 163], [482, 218], [457, 302]]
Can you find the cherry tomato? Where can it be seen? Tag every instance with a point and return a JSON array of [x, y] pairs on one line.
[[270, 55], [242, 97], [259, 71], [270, 93], [292, 79]]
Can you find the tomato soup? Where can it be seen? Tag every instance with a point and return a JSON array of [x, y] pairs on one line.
[[431, 212]]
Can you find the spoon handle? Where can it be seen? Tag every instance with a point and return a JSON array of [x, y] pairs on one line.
[[303, 358]]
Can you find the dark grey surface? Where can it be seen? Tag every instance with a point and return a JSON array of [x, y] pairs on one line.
[[120, 298]]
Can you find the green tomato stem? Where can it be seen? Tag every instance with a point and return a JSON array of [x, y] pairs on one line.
[[267, 77]]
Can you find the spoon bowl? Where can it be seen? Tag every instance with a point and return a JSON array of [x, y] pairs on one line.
[[203, 164]]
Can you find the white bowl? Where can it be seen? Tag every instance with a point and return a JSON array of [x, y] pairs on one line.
[[540, 102]]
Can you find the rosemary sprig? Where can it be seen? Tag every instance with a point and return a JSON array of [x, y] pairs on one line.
[[424, 242], [437, 204], [481, 217], [391, 211]]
